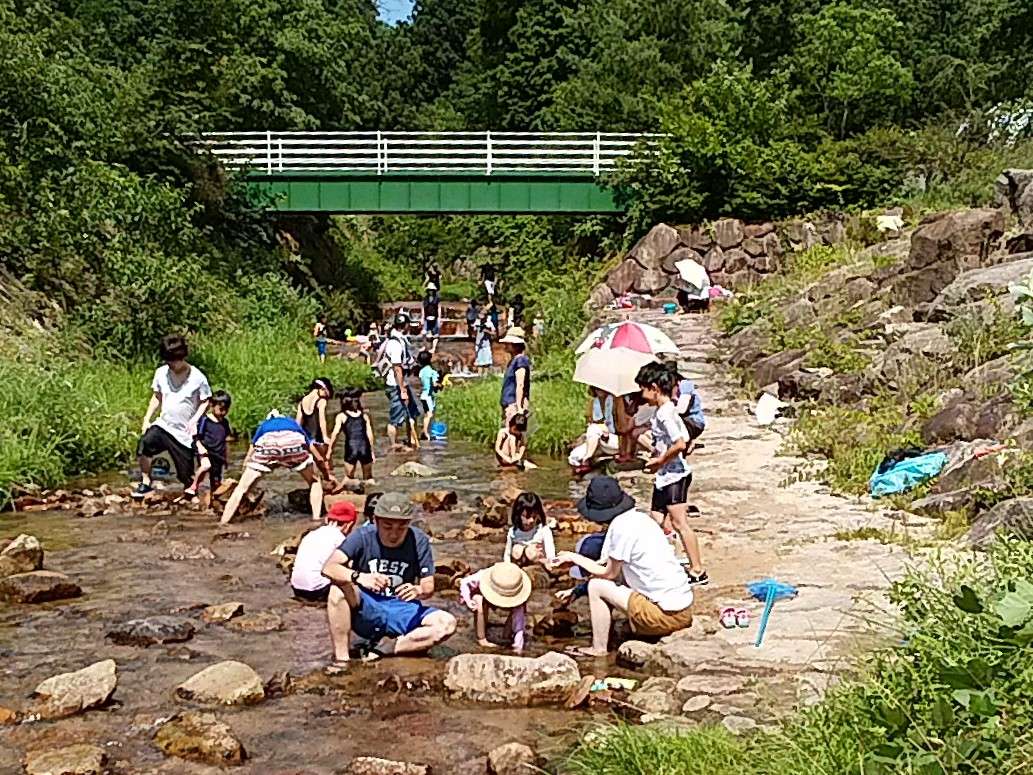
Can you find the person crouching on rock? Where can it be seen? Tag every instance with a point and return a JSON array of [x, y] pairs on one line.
[[307, 579], [529, 539], [382, 573], [503, 586], [511, 443], [279, 442], [657, 597]]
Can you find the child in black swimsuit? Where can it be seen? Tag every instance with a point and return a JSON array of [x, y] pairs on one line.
[[354, 425], [311, 416]]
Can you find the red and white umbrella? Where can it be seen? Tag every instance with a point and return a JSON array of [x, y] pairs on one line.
[[612, 355], [629, 335]]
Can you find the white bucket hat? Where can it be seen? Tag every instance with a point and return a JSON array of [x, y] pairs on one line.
[[514, 335], [505, 585]]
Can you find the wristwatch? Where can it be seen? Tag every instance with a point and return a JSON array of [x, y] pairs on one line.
[[355, 576]]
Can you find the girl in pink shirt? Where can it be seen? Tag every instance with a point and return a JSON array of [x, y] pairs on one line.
[[503, 586]]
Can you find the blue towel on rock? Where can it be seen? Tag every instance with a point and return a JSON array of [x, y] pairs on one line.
[[907, 474]]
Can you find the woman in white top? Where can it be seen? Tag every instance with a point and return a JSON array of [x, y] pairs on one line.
[[529, 539]]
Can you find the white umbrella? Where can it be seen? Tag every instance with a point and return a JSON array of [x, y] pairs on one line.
[[631, 336], [611, 370]]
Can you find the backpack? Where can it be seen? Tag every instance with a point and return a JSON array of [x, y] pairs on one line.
[[382, 365]]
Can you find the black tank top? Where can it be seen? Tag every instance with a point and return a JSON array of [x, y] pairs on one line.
[[310, 422]]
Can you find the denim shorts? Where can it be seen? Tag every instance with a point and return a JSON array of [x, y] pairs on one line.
[[387, 617]]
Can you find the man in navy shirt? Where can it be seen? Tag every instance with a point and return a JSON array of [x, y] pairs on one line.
[[382, 573]]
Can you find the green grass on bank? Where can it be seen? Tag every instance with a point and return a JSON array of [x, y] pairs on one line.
[[68, 416], [472, 411], [950, 694]]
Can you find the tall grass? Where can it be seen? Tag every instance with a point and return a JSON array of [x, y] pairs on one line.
[[950, 695], [472, 411], [71, 415]]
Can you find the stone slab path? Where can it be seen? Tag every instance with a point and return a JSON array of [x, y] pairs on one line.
[[756, 522]]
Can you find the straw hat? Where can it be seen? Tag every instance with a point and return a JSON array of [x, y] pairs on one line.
[[514, 335], [505, 585]]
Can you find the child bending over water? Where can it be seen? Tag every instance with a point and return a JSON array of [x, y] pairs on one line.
[[529, 539], [354, 423], [503, 586], [511, 444]]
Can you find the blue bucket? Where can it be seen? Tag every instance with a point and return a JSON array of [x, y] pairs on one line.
[[670, 308], [438, 431]]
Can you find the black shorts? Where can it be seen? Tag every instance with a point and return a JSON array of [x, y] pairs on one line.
[[312, 595], [156, 440], [358, 455], [694, 429], [673, 494]]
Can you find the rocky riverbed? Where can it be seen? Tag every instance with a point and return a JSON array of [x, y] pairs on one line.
[[209, 662]]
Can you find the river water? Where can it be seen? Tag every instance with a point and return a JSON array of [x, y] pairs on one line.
[[117, 560]]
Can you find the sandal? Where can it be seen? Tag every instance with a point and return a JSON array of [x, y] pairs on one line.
[[742, 618], [728, 618], [337, 667], [580, 652]]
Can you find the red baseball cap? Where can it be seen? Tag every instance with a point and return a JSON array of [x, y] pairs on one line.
[[342, 511]]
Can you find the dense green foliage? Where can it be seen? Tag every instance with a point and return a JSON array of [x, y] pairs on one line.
[[951, 695]]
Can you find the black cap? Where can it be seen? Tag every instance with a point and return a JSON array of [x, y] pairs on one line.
[[604, 500]]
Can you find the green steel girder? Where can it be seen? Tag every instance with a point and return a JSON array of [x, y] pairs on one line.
[[343, 192]]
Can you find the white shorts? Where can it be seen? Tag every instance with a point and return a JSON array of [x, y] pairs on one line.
[[266, 468], [489, 286]]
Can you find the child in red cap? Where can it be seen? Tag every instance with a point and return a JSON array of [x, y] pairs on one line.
[[307, 579]]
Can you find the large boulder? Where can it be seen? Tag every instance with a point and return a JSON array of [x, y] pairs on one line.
[[714, 260], [979, 284], [1014, 189], [650, 282], [1012, 517], [200, 737], [669, 265], [23, 555], [513, 680], [729, 232], [68, 693], [696, 238], [599, 298], [735, 260], [920, 339], [968, 419], [650, 251], [38, 586], [772, 368], [225, 683], [155, 630], [622, 278], [944, 246], [71, 760]]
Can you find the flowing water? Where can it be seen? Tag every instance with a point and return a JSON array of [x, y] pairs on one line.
[[118, 562]]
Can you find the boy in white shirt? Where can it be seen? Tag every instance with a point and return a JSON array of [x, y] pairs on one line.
[[307, 579], [671, 440], [180, 394]]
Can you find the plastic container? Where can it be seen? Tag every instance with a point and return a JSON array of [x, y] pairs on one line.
[[670, 308], [438, 431]]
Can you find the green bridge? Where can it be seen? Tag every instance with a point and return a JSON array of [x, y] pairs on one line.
[[427, 173]]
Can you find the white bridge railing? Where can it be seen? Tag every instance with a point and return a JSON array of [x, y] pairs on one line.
[[456, 152]]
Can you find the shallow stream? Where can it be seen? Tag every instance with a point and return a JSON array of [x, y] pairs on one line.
[[394, 709]]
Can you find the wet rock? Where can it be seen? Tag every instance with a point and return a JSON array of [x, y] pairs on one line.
[[260, 621], [738, 725], [1011, 517], [281, 683], [514, 680], [9, 716], [68, 693], [39, 586], [370, 765], [709, 684], [182, 551], [416, 470], [655, 695], [634, 653], [696, 704], [153, 630], [23, 555], [91, 507], [71, 760], [222, 612], [436, 500], [679, 656], [511, 759], [492, 512], [225, 683], [200, 737], [556, 624]]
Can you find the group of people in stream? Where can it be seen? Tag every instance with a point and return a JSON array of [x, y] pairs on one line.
[[375, 570]]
